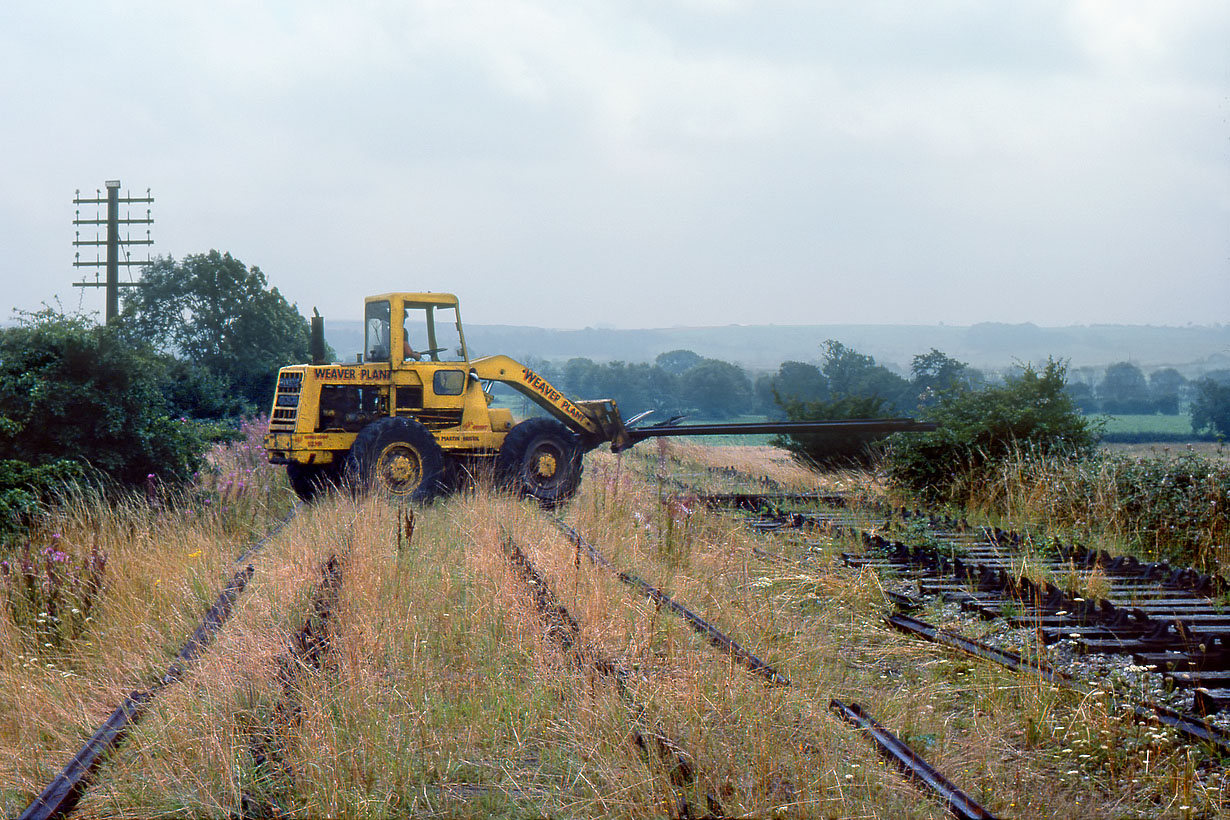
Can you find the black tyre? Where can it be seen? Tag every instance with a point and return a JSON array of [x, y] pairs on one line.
[[541, 458], [399, 457], [309, 481]]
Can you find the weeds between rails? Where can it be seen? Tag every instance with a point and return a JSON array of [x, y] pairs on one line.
[[811, 558], [564, 630], [63, 793], [716, 637], [309, 648], [682, 585], [960, 804]]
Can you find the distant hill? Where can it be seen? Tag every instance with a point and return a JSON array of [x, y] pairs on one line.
[[988, 346]]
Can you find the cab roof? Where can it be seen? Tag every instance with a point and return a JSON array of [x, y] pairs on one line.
[[427, 298]]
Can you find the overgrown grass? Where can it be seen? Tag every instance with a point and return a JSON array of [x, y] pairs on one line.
[[1165, 506], [440, 693]]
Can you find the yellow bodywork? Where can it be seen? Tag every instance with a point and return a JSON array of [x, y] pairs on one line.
[[318, 410]]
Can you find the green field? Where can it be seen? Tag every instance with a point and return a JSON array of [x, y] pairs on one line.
[[1172, 425]]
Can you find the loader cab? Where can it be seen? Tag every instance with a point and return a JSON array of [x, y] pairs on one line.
[[419, 336], [403, 328]]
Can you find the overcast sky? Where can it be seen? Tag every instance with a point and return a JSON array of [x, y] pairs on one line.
[[644, 163]]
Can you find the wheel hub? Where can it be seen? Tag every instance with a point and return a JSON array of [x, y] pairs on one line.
[[400, 469], [545, 466]]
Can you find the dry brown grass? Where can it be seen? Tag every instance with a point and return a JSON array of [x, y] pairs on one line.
[[442, 693]]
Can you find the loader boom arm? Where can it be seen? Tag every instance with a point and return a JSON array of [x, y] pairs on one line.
[[595, 421]]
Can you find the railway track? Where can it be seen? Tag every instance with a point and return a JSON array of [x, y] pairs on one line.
[[1165, 619], [911, 762], [62, 794], [647, 734], [972, 568]]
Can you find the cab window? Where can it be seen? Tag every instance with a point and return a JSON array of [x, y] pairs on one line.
[[448, 382], [376, 347], [431, 334]]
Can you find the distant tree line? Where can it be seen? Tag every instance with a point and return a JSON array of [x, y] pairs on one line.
[[201, 342], [682, 382], [1125, 389]]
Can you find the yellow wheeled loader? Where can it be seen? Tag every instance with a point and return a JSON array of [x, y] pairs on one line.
[[416, 414]]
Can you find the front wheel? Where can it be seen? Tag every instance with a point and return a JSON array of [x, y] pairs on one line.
[[541, 458], [397, 456]]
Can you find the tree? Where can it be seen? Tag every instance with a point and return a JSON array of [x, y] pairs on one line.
[[636, 387], [1125, 390], [212, 310], [581, 377], [1031, 414], [851, 374], [74, 391], [1211, 409], [716, 388], [799, 381], [1164, 387], [1082, 396], [678, 362], [936, 374]]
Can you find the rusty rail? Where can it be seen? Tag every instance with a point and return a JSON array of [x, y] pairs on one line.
[[566, 632], [64, 791], [718, 638], [992, 653], [959, 803]]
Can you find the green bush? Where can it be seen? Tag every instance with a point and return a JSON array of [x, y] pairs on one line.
[[25, 488], [979, 429], [1172, 506], [1176, 505], [71, 390]]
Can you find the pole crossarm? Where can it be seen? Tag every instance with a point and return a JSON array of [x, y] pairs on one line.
[[114, 243]]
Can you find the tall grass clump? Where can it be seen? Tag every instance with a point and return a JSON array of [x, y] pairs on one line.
[[1173, 507]]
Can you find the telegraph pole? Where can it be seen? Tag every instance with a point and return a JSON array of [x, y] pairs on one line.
[[113, 241]]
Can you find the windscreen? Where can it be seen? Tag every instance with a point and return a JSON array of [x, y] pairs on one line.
[[432, 334], [376, 346]]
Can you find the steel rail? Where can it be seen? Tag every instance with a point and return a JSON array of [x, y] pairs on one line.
[[1188, 725], [62, 794], [566, 632], [1116, 567], [959, 803], [716, 637], [1012, 660]]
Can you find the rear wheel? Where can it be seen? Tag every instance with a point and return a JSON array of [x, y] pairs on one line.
[[541, 458], [399, 457]]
